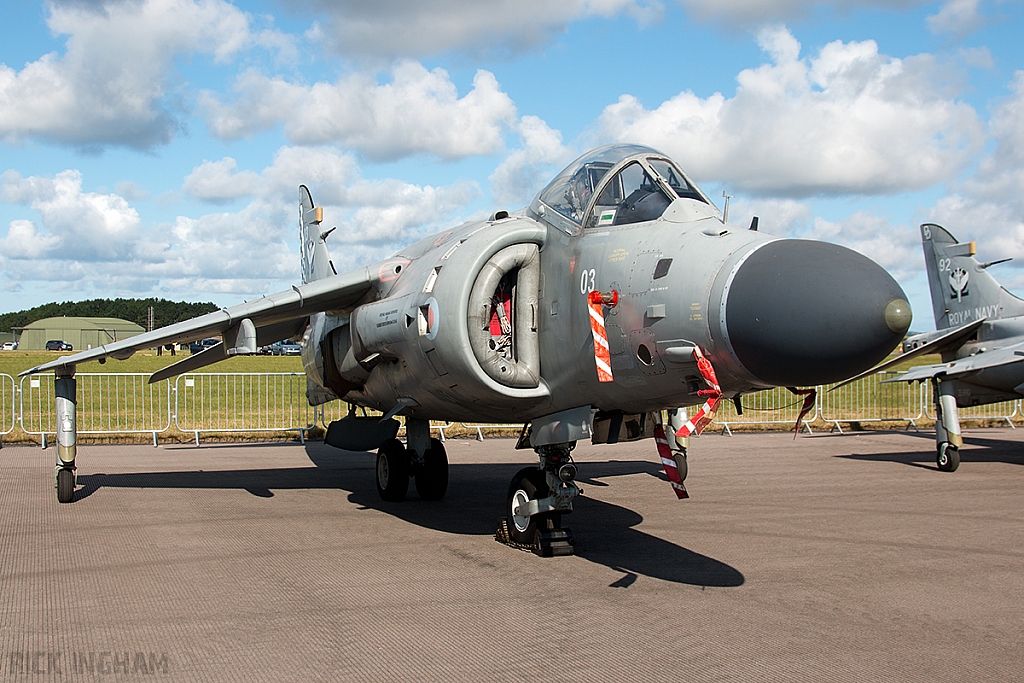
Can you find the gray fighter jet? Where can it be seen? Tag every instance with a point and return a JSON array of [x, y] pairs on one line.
[[619, 292], [979, 330]]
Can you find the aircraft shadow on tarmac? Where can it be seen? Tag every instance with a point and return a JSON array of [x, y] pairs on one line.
[[976, 449], [605, 533]]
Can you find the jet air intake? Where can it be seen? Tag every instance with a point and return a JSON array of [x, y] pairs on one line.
[[802, 313]]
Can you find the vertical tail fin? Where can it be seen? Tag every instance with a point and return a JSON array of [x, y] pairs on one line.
[[316, 261], [962, 289]]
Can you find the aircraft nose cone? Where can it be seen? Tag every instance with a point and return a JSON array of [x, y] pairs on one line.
[[800, 312]]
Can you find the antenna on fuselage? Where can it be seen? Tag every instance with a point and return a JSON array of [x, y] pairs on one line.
[[725, 212]]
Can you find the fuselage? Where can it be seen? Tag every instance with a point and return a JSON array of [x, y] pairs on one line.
[[490, 321]]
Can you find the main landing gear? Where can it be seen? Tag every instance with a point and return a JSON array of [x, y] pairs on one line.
[[425, 460], [948, 439]]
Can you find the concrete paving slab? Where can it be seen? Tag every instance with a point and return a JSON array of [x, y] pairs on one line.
[[829, 557]]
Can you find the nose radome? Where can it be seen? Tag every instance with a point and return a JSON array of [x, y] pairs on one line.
[[800, 312]]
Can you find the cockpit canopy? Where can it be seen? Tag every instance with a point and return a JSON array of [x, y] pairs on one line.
[[615, 185]]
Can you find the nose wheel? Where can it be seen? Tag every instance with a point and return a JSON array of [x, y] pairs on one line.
[[948, 457], [528, 485]]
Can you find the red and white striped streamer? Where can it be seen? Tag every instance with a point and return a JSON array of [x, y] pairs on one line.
[[668, 461], [704, 416], [810, 396], [602, 355]]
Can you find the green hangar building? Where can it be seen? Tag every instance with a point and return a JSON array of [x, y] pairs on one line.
[[81, 333]]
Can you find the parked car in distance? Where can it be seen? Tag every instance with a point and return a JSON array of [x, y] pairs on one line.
[[10, 346], [282, 348], [58, 345], [289, 348], [203, 344]]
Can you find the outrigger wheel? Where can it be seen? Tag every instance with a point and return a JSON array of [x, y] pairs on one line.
[[65, 485], [948, 457]]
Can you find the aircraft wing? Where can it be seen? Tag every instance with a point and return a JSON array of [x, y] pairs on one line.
[[244, 327], [963, 366], [952, 339]]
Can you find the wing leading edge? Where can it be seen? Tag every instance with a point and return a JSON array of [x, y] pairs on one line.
[[963, 366], [244, 327]]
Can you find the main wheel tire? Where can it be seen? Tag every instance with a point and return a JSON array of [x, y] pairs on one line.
[[392, 471], [948, 457], [529, 484], [65, 486], [432, 478]]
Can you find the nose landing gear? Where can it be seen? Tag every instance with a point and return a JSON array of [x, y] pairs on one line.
[[537, 499]]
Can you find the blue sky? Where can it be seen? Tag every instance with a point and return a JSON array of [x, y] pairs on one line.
[[154, 147]]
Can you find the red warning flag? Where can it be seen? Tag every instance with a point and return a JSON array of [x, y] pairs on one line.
[[602, 356], [811, 396], [706, 414]]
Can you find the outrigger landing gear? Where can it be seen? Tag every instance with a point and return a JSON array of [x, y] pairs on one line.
[[67, 433], [948, 439], [537, 499], [425, 459]]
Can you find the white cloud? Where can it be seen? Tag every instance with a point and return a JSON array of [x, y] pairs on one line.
[[89, 241], [80, 226], [418, 111], [847, 121], [753, 13], [113, 84], [524, 172], [989, 206], [956, 17], [414, 28], [219, 181]]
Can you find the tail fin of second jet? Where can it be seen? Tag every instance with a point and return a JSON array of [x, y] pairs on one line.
[[316, 261], [962, 289]]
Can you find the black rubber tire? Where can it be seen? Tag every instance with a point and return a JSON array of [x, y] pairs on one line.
[[947, 457], [432, 477], [682, 466], [392, 471], [531, 483], [65, 486]]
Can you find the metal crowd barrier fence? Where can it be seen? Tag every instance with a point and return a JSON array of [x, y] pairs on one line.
[[125, 403], [872, 400], [242, 402], [772, 406], [8, 406], [107, 403]]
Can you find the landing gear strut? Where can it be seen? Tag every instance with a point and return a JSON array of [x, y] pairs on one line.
[[537, 499], [948, 439], [424, 459], [67, 434]]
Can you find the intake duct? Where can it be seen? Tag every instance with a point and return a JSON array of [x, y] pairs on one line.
[[503, 316]]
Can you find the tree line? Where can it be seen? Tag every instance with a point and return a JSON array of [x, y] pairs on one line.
[[135, 310]]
